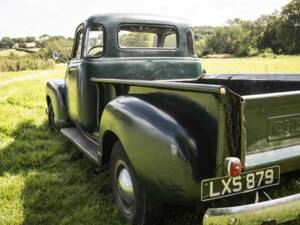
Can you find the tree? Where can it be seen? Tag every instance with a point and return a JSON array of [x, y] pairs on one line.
[[44, 37], [289, 27], [268, 31], [281, 31], [30, 39], [203, 32], [19, 40], [6, 42], [238, 38]]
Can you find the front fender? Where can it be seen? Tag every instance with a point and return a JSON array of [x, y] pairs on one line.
[[166, 141], [55, 92]]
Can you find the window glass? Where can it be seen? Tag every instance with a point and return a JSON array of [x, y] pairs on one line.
[[170, 41], [94, 41], [78, 46], [191, 43], [145, 36]]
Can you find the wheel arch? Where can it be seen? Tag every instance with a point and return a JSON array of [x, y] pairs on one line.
[[157, 145], [48, 100], [108, 140], [55, 94]]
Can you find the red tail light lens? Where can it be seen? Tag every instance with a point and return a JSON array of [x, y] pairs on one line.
[[234, 166]]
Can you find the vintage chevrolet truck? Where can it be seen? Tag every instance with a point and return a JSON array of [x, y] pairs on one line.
[[136, 101]]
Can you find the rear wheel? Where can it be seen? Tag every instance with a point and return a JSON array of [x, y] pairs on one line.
[[129, 195], [51, 116]]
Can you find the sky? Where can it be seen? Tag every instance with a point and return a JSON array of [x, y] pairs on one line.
[[20, 18]]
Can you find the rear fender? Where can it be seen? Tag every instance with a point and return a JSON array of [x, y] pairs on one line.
[[170, 154]]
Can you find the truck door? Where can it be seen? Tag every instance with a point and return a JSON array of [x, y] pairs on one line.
[[72, 76]]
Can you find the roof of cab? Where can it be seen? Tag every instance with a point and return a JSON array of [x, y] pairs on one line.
[[118, 18]]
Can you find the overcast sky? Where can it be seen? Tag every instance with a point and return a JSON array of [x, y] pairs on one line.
[[60, 17]]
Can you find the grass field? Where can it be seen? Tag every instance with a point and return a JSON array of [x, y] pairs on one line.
[[7, 52], [281, 64], [44, 179]]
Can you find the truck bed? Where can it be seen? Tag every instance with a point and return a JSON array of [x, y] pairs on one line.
[[250, 84], [270, 117], [258, 119]]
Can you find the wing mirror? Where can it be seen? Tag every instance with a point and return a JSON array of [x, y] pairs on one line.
[[56, 56]]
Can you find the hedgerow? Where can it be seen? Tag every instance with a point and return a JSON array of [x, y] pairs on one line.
[[28, 62]]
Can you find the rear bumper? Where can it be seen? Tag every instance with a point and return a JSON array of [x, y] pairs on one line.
[[265, 213]]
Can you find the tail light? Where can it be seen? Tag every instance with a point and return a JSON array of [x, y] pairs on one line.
[[233, 166]]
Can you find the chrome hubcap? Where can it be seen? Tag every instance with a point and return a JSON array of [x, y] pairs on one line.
[[125, 186]]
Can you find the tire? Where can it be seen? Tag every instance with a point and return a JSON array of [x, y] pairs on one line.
[[135, 207], [51, 116]]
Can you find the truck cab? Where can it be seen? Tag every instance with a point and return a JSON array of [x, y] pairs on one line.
[[124, 47]]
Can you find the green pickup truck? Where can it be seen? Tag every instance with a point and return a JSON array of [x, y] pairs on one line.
[[136, 101]]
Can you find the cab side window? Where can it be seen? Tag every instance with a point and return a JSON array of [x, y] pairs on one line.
[[78, 47], [94, 41], [191, 43]]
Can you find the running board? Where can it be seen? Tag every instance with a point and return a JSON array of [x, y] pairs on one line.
[[85, 144]]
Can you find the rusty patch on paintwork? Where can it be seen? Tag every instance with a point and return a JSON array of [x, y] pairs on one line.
[[282, 127]]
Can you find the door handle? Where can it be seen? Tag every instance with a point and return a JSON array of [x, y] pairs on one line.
[[71, 69]]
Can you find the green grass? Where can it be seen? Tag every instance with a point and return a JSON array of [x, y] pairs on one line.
[[281, 64], [58, 71], [43, 177]]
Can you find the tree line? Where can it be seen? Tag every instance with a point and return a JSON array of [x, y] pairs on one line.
[[41, 58], [45, 43], [278, 33]]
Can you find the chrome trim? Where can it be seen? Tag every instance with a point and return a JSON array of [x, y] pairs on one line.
[[125, 186], [209, 88], [270, 212], [270, 95]]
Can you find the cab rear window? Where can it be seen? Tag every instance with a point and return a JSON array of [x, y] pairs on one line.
[[147, 36]]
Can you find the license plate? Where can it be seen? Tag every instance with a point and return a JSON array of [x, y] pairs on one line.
[[226, 186]]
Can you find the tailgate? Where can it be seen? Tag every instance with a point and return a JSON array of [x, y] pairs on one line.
[[271, 134]]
